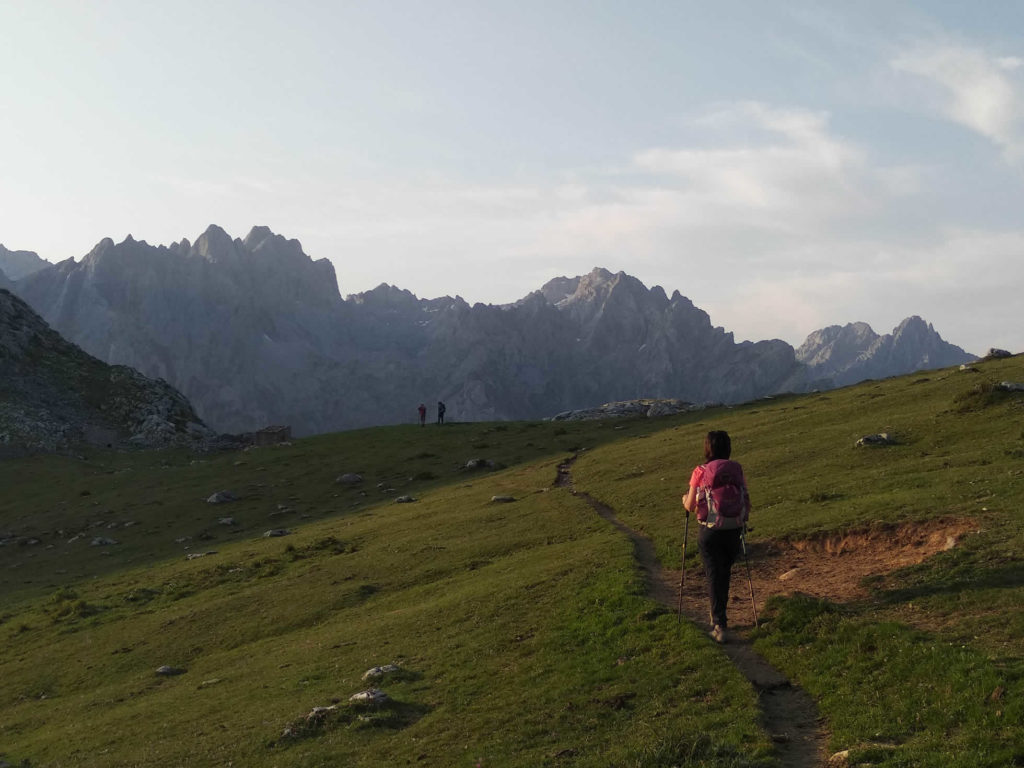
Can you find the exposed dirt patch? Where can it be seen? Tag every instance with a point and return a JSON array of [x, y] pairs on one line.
[[834, 567]]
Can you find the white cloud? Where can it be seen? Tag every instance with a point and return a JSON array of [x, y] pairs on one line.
[[978, 90]]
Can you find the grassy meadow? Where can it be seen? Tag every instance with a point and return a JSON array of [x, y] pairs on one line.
[[521, 629]]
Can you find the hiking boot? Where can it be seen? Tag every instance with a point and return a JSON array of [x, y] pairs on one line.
[[718, 634]]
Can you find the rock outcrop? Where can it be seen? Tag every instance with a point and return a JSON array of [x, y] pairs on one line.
[[54, 395]]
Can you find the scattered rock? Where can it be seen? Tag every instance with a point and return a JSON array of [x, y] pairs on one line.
[[1011, 386], [965, 368], [502, 499], [222, 497], [479, 464], [226, 521], [349, 478], [645, 407], [168, 671], [378, 672], [840, 758], [102, 541], [789, 574], [275, 532], [195, 555], [882, 438], [994, 354], [208, 683], [404, 500], [372, 697]]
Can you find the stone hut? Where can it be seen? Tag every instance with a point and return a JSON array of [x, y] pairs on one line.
[[272, 435]]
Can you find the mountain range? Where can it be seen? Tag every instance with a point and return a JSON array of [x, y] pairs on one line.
[[255, 332]]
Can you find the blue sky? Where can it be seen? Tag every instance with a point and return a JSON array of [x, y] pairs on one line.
[[785, 165]]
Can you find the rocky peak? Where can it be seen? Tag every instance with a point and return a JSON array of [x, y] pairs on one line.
[[18, 264], [854, 352], [386, 297], [836, 346], [263, 240], [215, 245]]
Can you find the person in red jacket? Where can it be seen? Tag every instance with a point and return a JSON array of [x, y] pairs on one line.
[[423, 414]]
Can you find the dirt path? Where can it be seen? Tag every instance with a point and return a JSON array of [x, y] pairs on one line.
[[788, 713]]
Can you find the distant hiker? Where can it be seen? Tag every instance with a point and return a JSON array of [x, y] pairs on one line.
[[440, 412], [423, 414], [718, 494]]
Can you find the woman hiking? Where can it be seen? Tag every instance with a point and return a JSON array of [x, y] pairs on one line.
[[718, 494]]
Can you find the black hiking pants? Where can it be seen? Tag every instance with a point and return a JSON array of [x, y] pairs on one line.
[[718, 551]]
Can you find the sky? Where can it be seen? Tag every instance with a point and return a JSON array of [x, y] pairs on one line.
[[785, 165]]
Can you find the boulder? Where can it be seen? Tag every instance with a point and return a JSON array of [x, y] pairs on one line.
[[404, 500], [502, 499], [372, 697], [479, 464], [376, 673], [102, 541], [168, 671], [222, 497], [1011, 386], [995, 353], [882, 438], [275, 532], [349, 478]]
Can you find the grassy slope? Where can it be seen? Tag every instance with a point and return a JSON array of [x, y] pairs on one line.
[[520, 626], [929, 670]]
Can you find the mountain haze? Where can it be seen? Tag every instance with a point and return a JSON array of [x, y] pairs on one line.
[[255, 332]]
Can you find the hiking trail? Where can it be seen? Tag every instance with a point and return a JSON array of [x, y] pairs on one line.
[[788, 713]]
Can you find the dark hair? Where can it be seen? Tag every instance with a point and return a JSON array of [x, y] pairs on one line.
[[717, 445]]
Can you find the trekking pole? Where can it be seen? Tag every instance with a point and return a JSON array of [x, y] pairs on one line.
[[682, 575], [750, 583]]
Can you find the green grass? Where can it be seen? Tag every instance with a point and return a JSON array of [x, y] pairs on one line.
[[521, 629], [905, 678]]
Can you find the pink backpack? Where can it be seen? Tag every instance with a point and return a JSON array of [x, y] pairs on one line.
[[722, 500]]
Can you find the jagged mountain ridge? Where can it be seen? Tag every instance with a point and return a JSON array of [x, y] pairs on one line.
[[854, 352], [254, 332], [53, 395]]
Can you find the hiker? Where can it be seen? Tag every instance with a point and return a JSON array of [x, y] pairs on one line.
[[718, 494], [423, 414], [440, 412]]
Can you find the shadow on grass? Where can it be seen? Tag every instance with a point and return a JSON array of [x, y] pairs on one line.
[[1006, 576]]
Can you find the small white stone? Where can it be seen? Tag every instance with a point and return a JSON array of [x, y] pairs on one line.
[[372, 697], [376, 672]]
